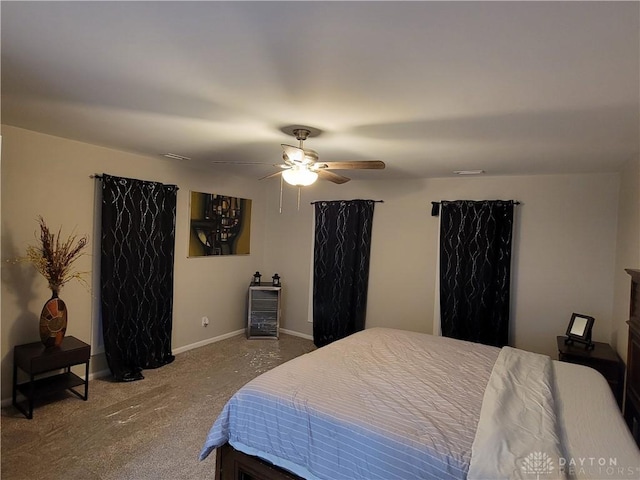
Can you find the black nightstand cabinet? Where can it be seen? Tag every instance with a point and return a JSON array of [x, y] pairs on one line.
[[602, 358], [34, 359]]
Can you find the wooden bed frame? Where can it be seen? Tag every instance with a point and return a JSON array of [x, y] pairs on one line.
[[232, 464]]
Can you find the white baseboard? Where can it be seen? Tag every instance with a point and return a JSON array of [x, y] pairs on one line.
[[208, 341], [202, 343], [296, 334]]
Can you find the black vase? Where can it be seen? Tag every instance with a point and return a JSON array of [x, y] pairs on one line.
[[53, 321]]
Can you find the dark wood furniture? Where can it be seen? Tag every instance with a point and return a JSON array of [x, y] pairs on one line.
[[601, 357], [231, 464], [632, 396], [36, 360]]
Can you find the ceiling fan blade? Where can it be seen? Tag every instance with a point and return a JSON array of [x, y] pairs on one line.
[[293, 153], [356, 165], [271, 175], [222, 162], [332, 177]]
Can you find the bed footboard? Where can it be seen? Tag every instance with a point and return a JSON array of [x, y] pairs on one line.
[[232, 464]]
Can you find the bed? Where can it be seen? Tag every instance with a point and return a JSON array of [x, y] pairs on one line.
[[391, 404]]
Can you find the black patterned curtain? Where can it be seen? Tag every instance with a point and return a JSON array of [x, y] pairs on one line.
[[475, 270], [138, 232], [341, 268]]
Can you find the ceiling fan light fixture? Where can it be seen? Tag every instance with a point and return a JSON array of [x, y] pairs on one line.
[[299, 177]]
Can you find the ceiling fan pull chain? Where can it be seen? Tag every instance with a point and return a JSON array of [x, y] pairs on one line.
[[281, 181], [299, 198]]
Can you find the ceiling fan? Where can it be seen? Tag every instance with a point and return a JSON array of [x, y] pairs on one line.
[[302, 168]]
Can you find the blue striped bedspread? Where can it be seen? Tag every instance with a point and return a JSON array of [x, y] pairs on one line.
[[381, 404]]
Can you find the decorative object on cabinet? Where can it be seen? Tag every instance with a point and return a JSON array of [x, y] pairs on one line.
[[256, 278], [53, 321], [220, 225], [632, 392], [34, 359], [579, 330], [600, 357], [275, 280], [53, 258], [263, 311]]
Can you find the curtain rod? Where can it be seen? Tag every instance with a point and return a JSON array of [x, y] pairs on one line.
[[317, 201], [435, 207], [99, 177], [515, 202]]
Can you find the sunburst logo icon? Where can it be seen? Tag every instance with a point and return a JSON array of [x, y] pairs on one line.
[[537, 463]]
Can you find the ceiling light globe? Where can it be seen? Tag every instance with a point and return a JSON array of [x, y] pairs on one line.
[[299, 177]]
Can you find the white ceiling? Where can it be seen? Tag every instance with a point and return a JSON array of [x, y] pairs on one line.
[[427, 87]]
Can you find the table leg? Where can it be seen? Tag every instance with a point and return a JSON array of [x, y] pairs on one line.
[[31, 395], [15, 383], [86, 381]]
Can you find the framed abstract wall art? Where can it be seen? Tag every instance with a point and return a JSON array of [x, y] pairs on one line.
[[219, 225]]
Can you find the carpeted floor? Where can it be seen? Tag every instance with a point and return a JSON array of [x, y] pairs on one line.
[[149, 429]]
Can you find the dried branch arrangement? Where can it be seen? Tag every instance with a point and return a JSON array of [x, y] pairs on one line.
[[54, 257]]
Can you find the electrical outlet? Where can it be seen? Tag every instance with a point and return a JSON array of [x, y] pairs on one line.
[[205, 321]]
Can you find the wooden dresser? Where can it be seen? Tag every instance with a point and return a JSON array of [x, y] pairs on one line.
[[632, 392]]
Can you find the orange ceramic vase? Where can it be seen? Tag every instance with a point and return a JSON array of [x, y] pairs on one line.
[[53, 321]]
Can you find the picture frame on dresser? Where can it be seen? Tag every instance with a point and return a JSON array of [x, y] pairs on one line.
[[579, 330]]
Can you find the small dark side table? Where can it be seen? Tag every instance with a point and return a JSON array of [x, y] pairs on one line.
[[602, 357], [35, 359]]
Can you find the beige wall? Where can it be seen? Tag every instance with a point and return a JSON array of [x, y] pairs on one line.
[[564, 250], [564, 245], [49, 176], [627, 252]]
